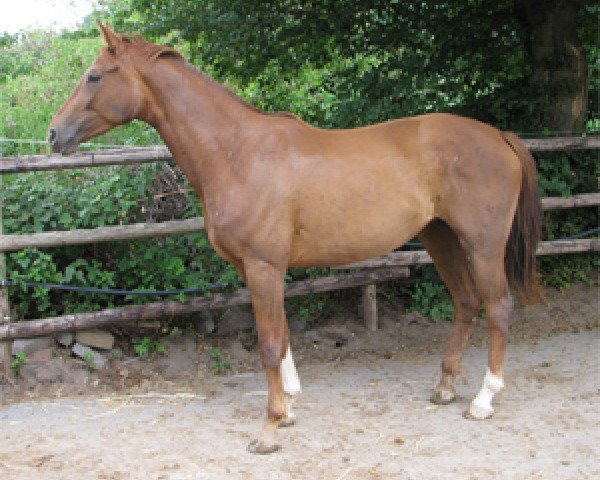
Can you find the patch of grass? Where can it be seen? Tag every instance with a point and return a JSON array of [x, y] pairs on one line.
[[220, 363], [146, 346]]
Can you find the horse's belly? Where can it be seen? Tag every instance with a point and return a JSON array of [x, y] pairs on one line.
[[329, 241]]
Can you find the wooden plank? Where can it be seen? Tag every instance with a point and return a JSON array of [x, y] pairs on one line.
[[121, 315], [133, 155], [405, 258], [556, 247], [9, 243], [122, 156], [562, 143], [580, 200], [369, 305]]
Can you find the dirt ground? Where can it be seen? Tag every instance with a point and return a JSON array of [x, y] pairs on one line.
[[363, 414]]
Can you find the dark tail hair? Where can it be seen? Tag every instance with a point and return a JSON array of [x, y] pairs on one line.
[[526, 230]]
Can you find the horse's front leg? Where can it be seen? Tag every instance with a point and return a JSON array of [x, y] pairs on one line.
[[265, 282]]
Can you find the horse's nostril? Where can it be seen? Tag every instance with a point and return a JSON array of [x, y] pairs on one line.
[[51, 136]]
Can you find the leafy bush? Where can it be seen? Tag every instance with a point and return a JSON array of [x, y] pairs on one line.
[[432, 300]]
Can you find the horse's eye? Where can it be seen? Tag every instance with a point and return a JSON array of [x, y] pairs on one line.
[[94, 78]]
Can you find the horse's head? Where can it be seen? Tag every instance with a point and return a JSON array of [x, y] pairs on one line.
[[110, 93]]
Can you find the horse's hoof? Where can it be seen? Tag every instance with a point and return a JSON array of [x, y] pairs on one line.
[[260, 447], [287, 422], [443, 397], [477, 412]]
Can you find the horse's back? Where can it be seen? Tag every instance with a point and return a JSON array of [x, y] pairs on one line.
[[362, 192]]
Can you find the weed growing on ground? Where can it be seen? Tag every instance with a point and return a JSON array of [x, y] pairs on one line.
[[221, 363], [18, 362], [88, 360], [146, 346]]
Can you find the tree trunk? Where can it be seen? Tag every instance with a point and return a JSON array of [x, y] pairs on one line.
[[559, 66]]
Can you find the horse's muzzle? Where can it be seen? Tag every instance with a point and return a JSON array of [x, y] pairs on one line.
[[58, 144], [52, 136]]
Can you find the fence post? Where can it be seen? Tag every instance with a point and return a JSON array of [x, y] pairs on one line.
[[4, 306], [369, 305]]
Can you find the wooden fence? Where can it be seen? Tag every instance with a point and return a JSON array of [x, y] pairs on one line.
[[387, 267]]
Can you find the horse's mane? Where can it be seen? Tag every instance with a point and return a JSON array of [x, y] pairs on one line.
[[151, 52]]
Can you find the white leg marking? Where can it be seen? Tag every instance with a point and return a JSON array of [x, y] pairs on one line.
[[481, 406], [291, 385], [291, 382]]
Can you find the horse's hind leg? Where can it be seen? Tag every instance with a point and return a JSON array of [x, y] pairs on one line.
[[490, 278], [451, 262]]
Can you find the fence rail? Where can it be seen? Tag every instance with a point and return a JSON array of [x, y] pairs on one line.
[[11, 243], [122, 156], [552, 247], [120, 315]]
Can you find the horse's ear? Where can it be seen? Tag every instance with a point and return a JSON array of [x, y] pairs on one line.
[[111, 38]]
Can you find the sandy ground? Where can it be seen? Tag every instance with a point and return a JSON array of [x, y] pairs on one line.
[[364, 412]]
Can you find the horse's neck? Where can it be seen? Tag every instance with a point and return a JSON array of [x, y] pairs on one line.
[[198, 119]]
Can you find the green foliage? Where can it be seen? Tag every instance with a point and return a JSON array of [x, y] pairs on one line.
[[87, 199], [378, 60], [220, 363], [565, 174], [146, 346], [432, 300], [562, 273], [88, 360], [311, 308], [18, 362]]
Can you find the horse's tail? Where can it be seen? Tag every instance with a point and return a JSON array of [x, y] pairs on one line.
[[526, 231]]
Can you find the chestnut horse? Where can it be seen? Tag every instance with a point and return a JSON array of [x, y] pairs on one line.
[[278, 193]]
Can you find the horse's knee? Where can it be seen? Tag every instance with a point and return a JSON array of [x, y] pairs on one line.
[[272, 350], [468, 308]]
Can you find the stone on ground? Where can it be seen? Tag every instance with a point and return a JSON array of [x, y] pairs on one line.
[[31, 345], [94, 359], [96, 339], [65, 339]]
